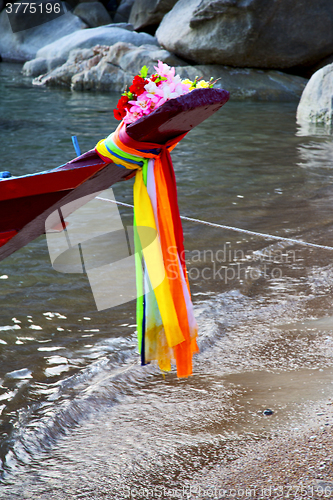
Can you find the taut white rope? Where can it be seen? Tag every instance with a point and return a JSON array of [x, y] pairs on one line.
[[230, 228]]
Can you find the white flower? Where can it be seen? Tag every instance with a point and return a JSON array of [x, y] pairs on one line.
[[151, 88]]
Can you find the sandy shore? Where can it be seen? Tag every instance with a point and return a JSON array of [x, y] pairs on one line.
[[293, 465]]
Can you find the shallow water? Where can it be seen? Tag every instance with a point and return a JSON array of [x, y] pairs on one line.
[[80, 418]]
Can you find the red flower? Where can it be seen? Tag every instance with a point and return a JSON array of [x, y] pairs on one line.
[[136, 89], [138, 85], [122, 105], [117, 114], [123, 100]]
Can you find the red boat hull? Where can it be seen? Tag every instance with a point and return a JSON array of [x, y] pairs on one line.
[[27, 215]]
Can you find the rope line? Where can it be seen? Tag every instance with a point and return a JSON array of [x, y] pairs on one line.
[[236, 229]]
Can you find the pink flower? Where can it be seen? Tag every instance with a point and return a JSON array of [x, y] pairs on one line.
[[143, 104], [163, 69], [172, 90], [132, 116]]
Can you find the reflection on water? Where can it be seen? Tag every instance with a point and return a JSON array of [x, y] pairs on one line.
[[306, 128], [79, 416]]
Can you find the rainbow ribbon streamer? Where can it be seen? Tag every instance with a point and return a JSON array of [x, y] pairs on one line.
[[167, 329]]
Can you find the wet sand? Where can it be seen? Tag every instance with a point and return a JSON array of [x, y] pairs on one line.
[[294, 463]]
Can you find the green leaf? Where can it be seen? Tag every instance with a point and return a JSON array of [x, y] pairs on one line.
[[160, 79], [128, 94], [144, 72]]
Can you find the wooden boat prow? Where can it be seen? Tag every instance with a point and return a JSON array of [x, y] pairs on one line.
[[27, 201], [178, 116]]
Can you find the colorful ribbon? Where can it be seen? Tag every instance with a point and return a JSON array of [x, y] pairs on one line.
[[167, 328]]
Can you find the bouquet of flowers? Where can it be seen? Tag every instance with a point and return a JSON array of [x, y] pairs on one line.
[[148, 93]]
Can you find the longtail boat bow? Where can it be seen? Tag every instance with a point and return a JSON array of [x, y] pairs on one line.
[[28, 200]]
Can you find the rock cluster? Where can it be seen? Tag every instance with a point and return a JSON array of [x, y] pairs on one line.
[[245, 43], [106, 68]]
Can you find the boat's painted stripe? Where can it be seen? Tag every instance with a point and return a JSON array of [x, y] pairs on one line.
[[46, 182]]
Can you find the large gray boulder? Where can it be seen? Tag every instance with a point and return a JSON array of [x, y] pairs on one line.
[[94, 14], [86, 39], [316, 104], [24, 45], [149, 12], [102, 67], [253, 33]]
